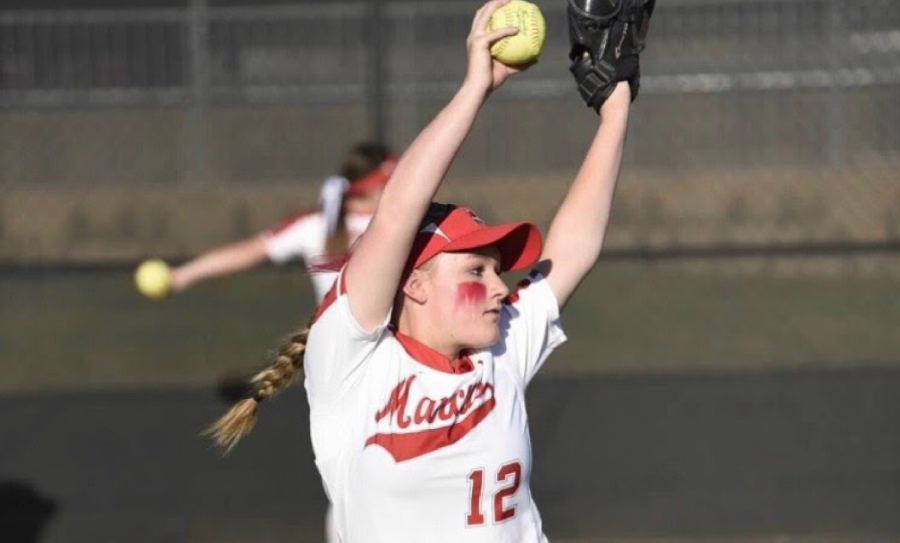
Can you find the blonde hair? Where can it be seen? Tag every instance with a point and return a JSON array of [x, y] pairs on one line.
[[241, 418]]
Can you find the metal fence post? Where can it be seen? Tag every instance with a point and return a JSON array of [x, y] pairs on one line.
[[375, 76], [837, 96], [199, 78]]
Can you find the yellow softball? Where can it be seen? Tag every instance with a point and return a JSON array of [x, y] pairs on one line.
[[527, 44], [153, 278]]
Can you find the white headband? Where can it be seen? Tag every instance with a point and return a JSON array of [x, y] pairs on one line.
[[331, 197]]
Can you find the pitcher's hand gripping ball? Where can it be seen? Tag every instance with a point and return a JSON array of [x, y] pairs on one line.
[[153, 279], [525, 46], [606, 37]]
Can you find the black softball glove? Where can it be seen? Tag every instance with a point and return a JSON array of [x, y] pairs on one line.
[[606, 38]]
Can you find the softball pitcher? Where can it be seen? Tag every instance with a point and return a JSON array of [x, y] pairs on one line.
[[320, 237], [417, 361]]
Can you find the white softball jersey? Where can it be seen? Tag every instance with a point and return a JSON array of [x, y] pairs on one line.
[[414, 448], [303, 236]]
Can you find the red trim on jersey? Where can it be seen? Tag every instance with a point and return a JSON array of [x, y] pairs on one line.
[[332, 296], [426, 355], [289, 221], [335, 264], [294, 218], [513, 296]]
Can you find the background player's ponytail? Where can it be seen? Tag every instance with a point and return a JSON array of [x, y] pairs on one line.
[[363, 159], [241, 418]]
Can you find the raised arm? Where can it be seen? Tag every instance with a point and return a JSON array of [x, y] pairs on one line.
[[576, 234], [225, 260], [606, 40], [374, 271]]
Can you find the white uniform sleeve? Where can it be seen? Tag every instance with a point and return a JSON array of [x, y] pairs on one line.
[[337, 349], [291, 240], [530, 326]]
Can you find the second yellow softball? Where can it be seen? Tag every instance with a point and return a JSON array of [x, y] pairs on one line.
[[525, 46], [153, 279]]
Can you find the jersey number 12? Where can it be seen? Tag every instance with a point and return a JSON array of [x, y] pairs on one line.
[[509, 477]]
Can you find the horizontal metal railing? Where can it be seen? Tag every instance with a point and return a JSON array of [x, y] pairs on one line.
[[318, 52]]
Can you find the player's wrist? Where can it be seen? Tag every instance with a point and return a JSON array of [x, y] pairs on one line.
[[180, 281], [618, 105], [473, 91], [475, 87]]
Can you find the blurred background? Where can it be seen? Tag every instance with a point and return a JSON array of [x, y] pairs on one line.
[[733, 369]]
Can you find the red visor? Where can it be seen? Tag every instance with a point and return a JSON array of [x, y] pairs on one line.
[[519, 243], [374, 179]]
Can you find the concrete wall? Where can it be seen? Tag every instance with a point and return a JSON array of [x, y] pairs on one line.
[[809, 457]]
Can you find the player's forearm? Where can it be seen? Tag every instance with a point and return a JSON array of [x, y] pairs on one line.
[[424, 165], [218, 262], [378, 260], [587, 205], [578, 230]]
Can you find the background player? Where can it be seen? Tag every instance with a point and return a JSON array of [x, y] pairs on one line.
[[321, 237], [418, 360]]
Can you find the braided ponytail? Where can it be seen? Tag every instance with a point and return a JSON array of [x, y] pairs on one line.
[[241, 418], [362, 159]]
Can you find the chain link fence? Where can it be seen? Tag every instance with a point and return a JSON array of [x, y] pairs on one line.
[[757, 221], [760, 121]]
